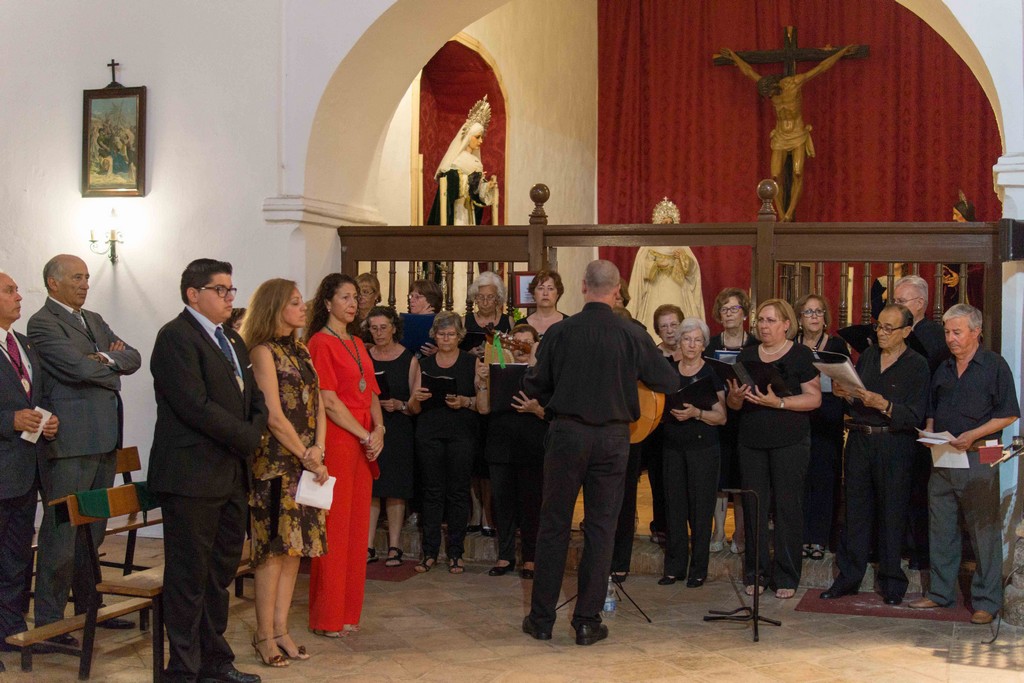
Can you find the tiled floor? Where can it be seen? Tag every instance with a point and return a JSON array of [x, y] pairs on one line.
[[467, 628]]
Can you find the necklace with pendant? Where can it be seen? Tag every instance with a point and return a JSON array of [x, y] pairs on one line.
[[355, 357]]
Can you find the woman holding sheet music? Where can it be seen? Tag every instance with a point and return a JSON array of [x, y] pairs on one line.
[[398, 376], [826, 429], [446, 436], [691, 458], [283, 531], [515, 452], [774, 446]]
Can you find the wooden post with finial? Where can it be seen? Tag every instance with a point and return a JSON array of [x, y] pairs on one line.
[[763, 282], [539, 194]]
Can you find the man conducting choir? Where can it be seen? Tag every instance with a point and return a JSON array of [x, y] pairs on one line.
[[585, 376]]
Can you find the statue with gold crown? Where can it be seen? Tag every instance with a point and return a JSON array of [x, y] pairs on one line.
[[665, 275], [462, 191]]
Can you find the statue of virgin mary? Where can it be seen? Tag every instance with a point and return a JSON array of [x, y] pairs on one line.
[[665, 275], [462, 191]]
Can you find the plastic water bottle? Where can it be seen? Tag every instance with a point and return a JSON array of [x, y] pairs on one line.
[[609, 598]]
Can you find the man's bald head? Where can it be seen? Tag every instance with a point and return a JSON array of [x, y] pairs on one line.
[[601, 281]]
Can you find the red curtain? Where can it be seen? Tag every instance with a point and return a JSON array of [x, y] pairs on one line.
[[896, 134], [451, 83]]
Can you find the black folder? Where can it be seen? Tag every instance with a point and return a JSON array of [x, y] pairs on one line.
[[700, 394], [416, 331], [506, 383], [382, 384], [439, 387], [753, 373], [472, 340]]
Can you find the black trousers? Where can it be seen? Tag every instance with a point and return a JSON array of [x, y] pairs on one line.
[[916, 540], [595, 458], [516, 492], [203, 540], [690, 476], [775, 474], [819, 494], [446, 468], [625, 530], [651, 448], [878, 482], [17, 523]]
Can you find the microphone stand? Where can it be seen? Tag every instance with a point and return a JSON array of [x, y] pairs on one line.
[[751, 614]]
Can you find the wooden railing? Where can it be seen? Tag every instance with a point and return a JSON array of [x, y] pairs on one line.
[[772, 244]]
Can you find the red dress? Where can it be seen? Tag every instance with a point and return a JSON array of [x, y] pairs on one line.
[[337, 580]]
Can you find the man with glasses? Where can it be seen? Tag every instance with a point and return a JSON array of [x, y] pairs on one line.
[[884, 417], [82, 361], [912, 291], [209, 422], [973, 397]]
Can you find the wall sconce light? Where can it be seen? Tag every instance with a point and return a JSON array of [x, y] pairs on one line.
[[115, 238]]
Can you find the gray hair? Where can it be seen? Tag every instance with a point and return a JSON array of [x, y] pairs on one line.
[[915, 281], [601, 276], [446, 320], [690, 324], [972, 314], [488, 278], [54, 268]]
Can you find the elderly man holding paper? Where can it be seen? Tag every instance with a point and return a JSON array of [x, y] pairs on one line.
[[887, 400], [973, 398]]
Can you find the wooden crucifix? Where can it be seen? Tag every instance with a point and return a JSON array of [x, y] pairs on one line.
[[113, 76], [791, 139]]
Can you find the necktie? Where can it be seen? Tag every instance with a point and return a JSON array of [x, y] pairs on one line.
[[19, 366], [226, 348], [85, 326]]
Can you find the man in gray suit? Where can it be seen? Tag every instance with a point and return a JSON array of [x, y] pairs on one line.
[[82, 364], [19, 367]]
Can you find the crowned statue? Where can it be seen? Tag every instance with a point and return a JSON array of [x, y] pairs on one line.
[[462, 191], [665, 275]]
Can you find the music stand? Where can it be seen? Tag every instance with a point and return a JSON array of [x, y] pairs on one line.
[[752, 614], [618, 588]]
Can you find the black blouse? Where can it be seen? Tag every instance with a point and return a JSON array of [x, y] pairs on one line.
[[693, 433], [441, 420], [764, 427]]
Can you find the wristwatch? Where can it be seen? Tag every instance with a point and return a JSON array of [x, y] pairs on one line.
[[782, 404]]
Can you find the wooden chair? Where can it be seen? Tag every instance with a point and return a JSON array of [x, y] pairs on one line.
[[128, 462]]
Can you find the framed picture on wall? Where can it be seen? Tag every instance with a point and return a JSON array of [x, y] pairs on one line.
[[521, 296], [114, 142]]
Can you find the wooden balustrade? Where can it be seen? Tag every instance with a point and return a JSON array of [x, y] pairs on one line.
[[808, 245]]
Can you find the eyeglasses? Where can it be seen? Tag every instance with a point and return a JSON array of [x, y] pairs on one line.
[[813, 313], [904, 302], [222, 291], [725, 310], [486, 297], [692, 341], [668, 327], [446, 335], [888, 329]]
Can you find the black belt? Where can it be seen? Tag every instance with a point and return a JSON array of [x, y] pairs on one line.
[[576, 418], [868, 429]]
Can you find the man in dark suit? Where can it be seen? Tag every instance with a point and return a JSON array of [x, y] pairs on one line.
[[18, 458], [210, 420], [82, 363]]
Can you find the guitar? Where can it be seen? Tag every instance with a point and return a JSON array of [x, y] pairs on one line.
[[652, 405], [508, 341]]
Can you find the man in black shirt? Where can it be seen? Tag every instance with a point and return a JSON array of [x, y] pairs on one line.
[[972, 398], [586, 374]]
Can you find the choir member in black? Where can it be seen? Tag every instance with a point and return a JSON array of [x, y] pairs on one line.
[[424, 299], [826, 430], [515, 454], [912, 291], [446, 437], [690, 464], [397, 463], [586, 369], [368, 297], [879, 455], [732, 306], [546, 288], [775, 447], [973, 397]]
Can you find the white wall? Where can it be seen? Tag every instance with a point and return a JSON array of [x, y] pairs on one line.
[[213, 77]]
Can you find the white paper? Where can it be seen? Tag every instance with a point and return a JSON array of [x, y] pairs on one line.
[[313, 494], [943, 455], [844, 373], [33, 437]]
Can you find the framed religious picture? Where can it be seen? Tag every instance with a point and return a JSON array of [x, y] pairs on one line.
[[114, 142], [521, 296]]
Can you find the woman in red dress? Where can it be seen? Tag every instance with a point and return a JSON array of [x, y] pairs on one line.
[[355, 437]]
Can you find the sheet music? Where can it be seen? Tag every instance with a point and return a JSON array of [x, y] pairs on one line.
[[844, 373], [943, 454]]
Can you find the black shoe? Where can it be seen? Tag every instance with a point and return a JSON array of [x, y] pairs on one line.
[[525, 573], [619, 577], [498, 570], [892, 600], [65, 640], [667, 580], [837, 591], [232, 675], [488, 531], [531, 629], [694, 582], [588, 634], [116, 624]]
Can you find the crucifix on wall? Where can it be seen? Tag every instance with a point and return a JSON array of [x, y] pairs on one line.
[[791, 139]]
